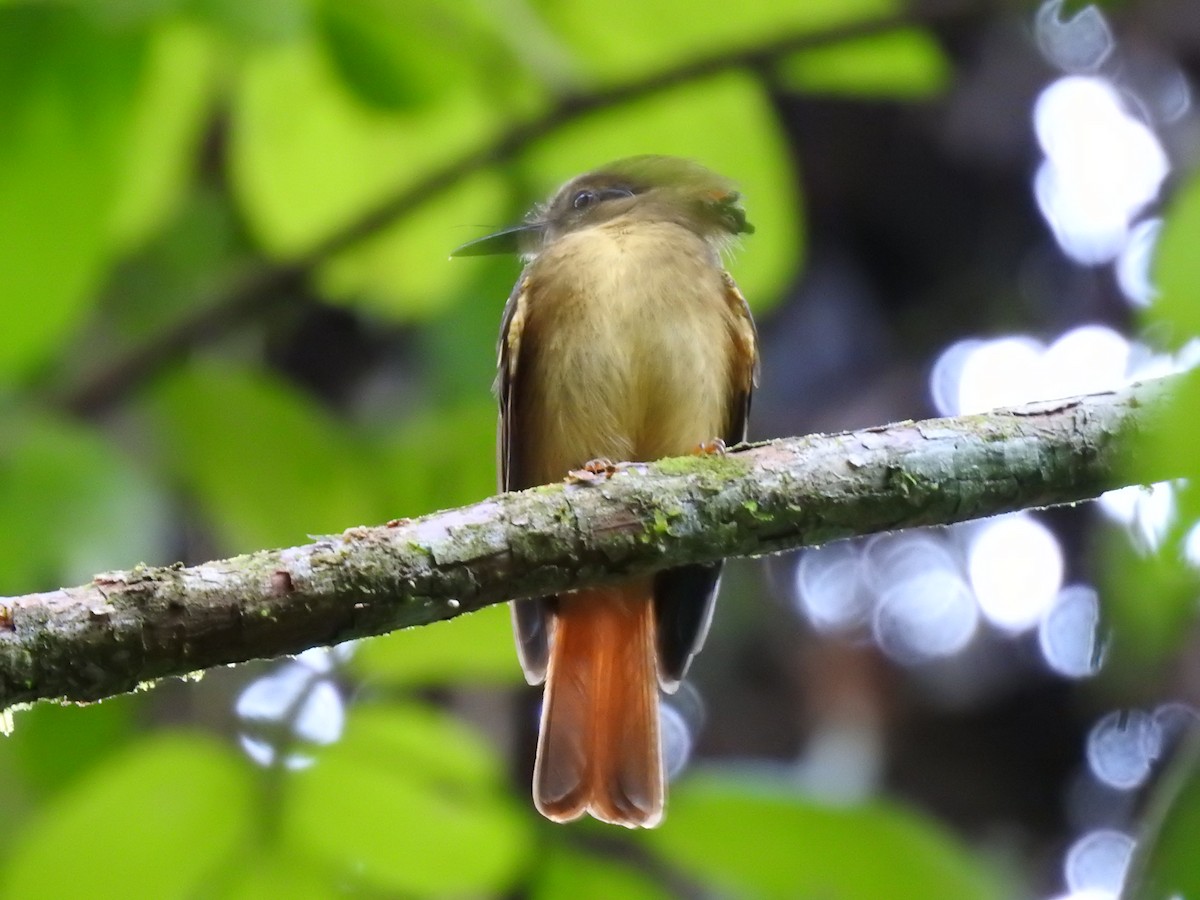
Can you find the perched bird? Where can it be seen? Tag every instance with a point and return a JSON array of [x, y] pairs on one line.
[[624, 339]]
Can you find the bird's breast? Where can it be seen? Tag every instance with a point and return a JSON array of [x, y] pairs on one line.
[[632, 347]]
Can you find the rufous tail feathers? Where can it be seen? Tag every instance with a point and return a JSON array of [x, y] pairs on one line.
[[599, 750]]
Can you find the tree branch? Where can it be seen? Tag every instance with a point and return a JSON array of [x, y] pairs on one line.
[[257, 290], [126, 628]]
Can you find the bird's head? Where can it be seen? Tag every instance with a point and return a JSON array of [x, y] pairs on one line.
[[635, 189]]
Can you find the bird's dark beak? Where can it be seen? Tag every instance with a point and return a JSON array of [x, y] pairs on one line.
[[509, 240]]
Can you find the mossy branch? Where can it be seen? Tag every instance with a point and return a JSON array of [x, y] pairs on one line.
[[125, 628]]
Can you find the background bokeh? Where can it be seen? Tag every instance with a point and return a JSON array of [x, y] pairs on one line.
[[229, 322]]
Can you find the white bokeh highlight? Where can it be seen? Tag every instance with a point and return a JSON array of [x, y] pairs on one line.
[[1080, 43], [1146, 512], [928, 615], [1123, 746], [975, 375], [294, 704], [1016, 569], [830, 589], [1097, 863], [1068, 633], [1102, 166]]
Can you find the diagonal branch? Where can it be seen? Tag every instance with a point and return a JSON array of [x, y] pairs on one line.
[[258, 289], [125, 628]]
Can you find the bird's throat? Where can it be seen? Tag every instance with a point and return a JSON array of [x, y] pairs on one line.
[[631, 337]]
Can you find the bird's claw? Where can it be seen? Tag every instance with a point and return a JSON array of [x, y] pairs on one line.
[[594, 470], [715, 447]]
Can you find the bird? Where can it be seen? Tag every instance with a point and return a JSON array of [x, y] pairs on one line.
[[626, 339]]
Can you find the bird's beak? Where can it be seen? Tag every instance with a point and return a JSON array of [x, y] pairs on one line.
[[509, 240]]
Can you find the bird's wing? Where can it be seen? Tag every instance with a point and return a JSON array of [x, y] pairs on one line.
[[531, 618], [684, 596]]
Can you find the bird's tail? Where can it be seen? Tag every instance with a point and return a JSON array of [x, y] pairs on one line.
[[599, 749]]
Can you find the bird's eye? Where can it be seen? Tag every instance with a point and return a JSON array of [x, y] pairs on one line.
[[583, 199]]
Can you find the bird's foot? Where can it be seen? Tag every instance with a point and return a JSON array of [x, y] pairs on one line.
[[715, 447], [595, 470]]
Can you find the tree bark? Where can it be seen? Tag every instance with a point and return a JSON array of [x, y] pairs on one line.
[[125, 628]]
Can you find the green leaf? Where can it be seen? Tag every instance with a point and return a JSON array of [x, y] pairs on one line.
[[1177, 267], [405, 271], [70, 506], [155, 821], [904, 64], [1165, 864], [410, 802], [308, 158], [566, 872], [757, 837], [468, 649], [173, 99], [1149, 602], [125, 13], [263, 20], [634, 38], [189, 264], [67, 93], [383, 51], [725, 122], [440, 459], [281, 874], [1146, 633], [56, 745], [263, 461]]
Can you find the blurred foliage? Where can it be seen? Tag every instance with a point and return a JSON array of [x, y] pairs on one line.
[[899, 64], [717, 830], [1154, 594], [156, 152], [189, 804], [1151, 631], [1165, 865], [410, 802]]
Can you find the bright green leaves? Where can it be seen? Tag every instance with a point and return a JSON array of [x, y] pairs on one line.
[[410, 802], [330, 125], [70, 505], [1165, 863], [59, 744], [67, 94], [265, 466], [630, 38], [443, 460], [566, 872], [1177, 266], [260, 22], [758, 838], [724, 122], [904, 64], [404, 272], [1151, 591], [309, 157], [189, 803], [100, 126], [399, 56], [318, 112], [172, 102], [472, 649], [1152, 595]]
